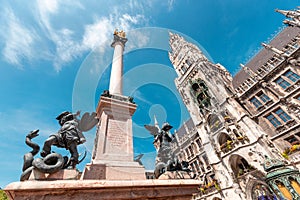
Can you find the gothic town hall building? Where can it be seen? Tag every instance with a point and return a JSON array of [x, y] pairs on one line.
[[243, 138]]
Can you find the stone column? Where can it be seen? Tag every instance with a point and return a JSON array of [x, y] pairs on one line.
[[115, 84], [112, 157]]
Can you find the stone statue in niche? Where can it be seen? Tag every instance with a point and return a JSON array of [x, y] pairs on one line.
[[69, 136], [165, 159]]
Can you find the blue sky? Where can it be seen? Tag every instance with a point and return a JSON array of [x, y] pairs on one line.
[[55, 56]]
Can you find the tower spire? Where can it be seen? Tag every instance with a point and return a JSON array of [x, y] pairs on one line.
[[289, 13], [294, 15], [291, 22]]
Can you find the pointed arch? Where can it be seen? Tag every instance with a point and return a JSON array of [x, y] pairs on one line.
[[239, 165]]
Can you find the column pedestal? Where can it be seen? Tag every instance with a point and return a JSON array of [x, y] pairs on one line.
[[112, 157]]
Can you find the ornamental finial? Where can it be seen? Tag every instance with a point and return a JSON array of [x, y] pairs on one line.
[[120, 33]]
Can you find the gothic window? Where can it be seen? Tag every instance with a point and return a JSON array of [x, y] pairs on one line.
[[278, 117], [188, 62], [260, 99], [191, 150], [283, 83], [196, 166], [255, 102], [179, 56], [205, 159], [236, 133], [183, 69], [291, 75], [283, 190], [295, 184], [187, 152], [199, 143], [201, 165], [280, 113], [264, 97], [273, 120], [261, 191], [292, 140]]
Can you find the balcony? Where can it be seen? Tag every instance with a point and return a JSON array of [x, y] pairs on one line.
[[230, 145], [205, 189], [289, 151]]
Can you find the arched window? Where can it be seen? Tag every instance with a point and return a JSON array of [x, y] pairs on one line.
[[295, 184], [239, 165], [225, 142], [236, 133], [261, 191], [284, 191]]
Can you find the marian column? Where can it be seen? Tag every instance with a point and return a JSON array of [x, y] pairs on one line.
[[113, 147], [115, 85]]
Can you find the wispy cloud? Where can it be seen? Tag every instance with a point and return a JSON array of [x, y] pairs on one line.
[[50, 37], [95, 34], [18, 39], [21, 121], [170, 5]]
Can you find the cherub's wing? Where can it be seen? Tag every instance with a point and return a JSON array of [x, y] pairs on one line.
[[138, 158], [87, 121], [152, 129]]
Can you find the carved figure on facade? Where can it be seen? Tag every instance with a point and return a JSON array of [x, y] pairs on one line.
[[69, 137]]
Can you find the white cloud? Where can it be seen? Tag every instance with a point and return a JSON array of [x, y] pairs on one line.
[[57, 41], [171, 5], [49, 5], [19, 40], [96, 34], [137, 39]]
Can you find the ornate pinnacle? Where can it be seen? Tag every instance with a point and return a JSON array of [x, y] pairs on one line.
[[284, 12], [289, 13], [269, 47], [291, 22], [251, 73]]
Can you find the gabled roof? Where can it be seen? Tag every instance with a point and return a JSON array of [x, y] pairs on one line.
[[284, 37]]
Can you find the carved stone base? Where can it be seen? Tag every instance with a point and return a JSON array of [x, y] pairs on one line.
[[174, 175], [102, 190], [114, 171], [64, 174]]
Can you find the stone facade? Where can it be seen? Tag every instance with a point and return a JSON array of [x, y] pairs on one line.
[[236, 121]]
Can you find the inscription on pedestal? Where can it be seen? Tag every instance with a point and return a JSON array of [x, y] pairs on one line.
[[117, 138]]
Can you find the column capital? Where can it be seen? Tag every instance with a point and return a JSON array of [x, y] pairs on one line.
[[118, 40]]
